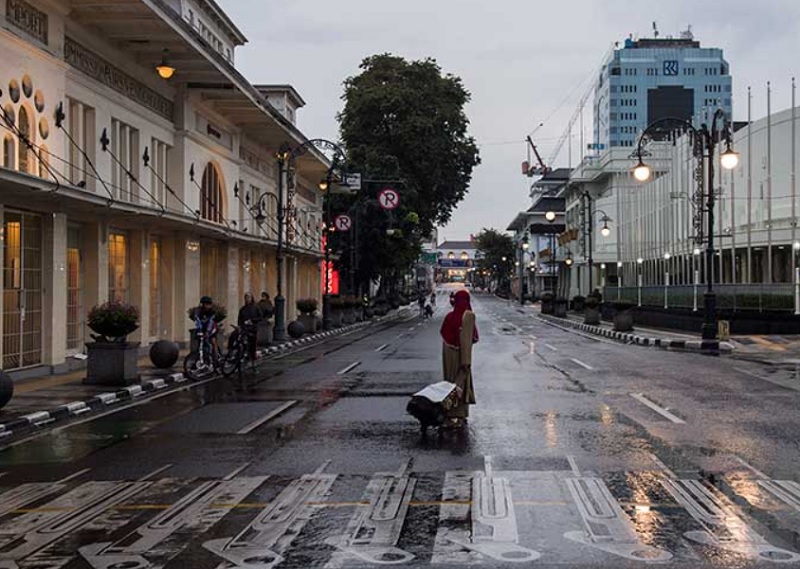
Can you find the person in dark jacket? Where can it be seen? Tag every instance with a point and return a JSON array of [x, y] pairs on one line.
[[249, 317]]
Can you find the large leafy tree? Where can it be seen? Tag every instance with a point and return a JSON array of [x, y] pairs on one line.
[[404, 120]]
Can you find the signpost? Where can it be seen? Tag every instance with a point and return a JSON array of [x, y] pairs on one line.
[[343, 222], [388, 199]]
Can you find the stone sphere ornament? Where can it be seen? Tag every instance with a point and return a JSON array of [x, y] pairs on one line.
[[6, 388], [296, 329], [164, 354]]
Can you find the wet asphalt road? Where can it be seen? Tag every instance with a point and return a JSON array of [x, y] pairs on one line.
[[581, 452]]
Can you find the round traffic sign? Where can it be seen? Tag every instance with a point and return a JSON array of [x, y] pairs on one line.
[[342, 222], [388, 198]]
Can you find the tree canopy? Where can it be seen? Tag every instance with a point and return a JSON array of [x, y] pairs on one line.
[[493, 246], [405, 121]]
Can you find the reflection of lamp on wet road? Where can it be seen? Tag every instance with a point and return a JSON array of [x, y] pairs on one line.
[[639, 262]]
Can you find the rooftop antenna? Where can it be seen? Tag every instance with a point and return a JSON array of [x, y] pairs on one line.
[[655, 30], [687, 34]]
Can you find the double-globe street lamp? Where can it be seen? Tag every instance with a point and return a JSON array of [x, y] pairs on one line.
[[704, 143], [605, 231]]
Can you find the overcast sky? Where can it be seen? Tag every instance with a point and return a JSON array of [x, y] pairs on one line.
[[525, 63]]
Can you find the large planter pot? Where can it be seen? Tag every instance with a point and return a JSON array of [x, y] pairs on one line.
[[623, 320], [348, 316], [336, 318], [112, 363], [6, 388], [560, 308], [548, 306], [309, 322], [591, 316]]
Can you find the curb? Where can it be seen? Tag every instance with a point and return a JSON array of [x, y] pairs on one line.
[[698, 346], [26, 424]]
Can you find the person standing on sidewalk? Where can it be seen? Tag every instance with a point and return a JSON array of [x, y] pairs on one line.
[[249, 317], [459, 333]]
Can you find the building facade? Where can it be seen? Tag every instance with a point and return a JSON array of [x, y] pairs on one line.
[[655, 224], [118, 183], [649, 79]]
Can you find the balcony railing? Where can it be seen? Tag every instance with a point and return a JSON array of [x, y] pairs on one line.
[[782, 297]]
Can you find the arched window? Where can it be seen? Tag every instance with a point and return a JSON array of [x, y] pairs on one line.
[[25, 154], [211, 195], [451, 255], [8, 152], [464, 255]]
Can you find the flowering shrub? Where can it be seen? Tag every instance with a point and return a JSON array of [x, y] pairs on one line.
[[113, 320]]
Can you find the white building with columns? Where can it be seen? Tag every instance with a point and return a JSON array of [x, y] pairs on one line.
[[118, 183], [756, 236]]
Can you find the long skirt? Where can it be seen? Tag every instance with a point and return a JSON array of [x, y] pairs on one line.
[[451, 358]]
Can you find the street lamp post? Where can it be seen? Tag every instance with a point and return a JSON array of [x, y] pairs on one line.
[[704, 142], [522, 248], [605, 231]]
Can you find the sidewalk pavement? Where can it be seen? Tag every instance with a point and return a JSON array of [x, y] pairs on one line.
[[44, 402]]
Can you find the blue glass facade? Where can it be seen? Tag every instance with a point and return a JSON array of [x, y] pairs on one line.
[[650, 79]]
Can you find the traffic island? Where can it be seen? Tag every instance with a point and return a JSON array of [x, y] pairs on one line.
[[709, 347]]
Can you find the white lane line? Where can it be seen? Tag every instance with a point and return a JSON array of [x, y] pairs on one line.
[[156, 471], [551, 347], [381, 348], [583, 365], [487, 466], [573, 464], [660, 410], [260, 421], [751, 468], [664, 468], [237, 471], [348, 368], [71, 476]]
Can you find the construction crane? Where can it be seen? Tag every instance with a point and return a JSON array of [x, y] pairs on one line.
[[539, 170], [579, 110]]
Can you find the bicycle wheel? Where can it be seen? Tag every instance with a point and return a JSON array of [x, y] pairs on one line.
[[193, 367], [232, 360]]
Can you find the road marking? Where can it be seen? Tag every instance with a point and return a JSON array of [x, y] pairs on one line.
[[551, 347], [71, 476], [606, 527], [721, 525], [660, 410], [265, 541], [573, 465], [156, 471], [664, 468], [381, 348], [750, 467], [348, 368], [583, 365], [271, 415]]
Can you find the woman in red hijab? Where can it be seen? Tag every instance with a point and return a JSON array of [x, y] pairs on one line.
[[459, 333]]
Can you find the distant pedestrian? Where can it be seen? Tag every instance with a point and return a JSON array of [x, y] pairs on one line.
[[459, 333], [266, 306], [249, 317]]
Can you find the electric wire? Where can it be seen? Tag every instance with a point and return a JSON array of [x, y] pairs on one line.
[[104, 143]]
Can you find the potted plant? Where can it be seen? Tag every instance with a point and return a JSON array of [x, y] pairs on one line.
[[623, 315], [578, 303], [307, 307], [368, 308], [591, 310], [560, 307], [111, 359], [548, 303]]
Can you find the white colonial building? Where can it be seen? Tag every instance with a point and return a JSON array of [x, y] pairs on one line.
[[653, 225], [119, 183]]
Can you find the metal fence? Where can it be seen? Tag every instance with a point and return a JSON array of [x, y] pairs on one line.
[[782, 297]]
